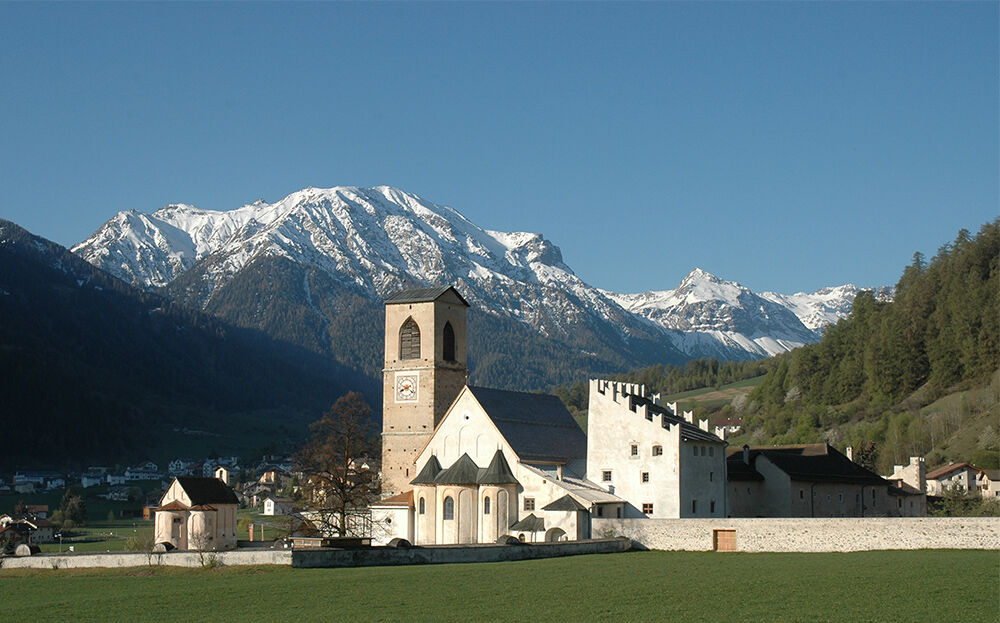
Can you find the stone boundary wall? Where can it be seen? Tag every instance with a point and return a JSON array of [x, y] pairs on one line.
[[142, 559], [444, 554], [322, 557], [809, 534]]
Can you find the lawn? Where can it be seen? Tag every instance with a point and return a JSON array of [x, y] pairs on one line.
[[636, 586]]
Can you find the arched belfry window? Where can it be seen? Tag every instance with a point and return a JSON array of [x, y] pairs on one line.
[[409, 340], [449, 342]]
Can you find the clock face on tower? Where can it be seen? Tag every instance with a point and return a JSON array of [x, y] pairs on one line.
[[406, 387]]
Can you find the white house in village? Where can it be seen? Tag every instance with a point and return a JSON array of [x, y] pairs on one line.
[[960, 476], [197, 514], [467, 464], [277, 506]]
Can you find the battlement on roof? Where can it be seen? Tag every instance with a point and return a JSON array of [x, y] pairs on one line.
[[633, 395]]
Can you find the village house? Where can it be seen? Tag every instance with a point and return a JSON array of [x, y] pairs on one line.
[[911, 482], [961, 476], [147, 471], [988, 483], [277, 506], [197, 514]]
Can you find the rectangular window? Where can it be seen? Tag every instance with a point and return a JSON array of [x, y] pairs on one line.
[[647, 508], [711, 476], [645, 476], [802, 494], [634, 450], [657, 450], [606, 475], [529, 504], [711, 506], [711, 451], [694, 506]]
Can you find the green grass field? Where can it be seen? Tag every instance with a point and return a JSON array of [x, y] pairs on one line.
[[912, 586]]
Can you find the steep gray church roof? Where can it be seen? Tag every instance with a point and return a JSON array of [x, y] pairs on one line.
[[430, 471], [537, 426], [464, 471], [498, 472]]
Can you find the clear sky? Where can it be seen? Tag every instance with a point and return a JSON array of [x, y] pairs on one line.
[[785, 146]]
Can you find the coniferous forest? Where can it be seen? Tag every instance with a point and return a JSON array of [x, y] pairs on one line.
[[872, 376]]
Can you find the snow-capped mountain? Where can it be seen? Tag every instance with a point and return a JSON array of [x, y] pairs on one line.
[[825, 306], [706, 309], [372, 242]]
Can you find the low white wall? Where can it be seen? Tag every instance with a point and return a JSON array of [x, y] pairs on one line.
[[172, 559], [808, 534], [451, 554]]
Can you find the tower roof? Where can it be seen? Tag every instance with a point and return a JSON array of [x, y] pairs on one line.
[[498, 472], [423, 295], [430, 471], [464, 471]]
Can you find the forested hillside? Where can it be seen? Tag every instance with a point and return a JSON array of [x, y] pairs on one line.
[[92, 370], [875, 373], [915, 376], [667, 380]]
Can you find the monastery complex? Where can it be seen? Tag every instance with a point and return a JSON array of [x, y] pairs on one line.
[[465, 464]]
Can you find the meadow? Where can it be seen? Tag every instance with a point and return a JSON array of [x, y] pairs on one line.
[[942, 585]]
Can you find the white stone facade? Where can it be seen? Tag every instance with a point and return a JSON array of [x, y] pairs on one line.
[[655, 461]]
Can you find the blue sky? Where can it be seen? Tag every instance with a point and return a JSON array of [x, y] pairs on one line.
[[785, 146]]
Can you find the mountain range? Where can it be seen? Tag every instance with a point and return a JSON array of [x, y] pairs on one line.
[[312, 269]]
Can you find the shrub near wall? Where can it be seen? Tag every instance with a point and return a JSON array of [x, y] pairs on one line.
[[807, 534]]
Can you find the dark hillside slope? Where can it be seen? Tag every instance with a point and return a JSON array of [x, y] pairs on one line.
[[93, 370]]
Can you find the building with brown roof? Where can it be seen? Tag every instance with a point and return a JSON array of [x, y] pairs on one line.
[[961, 476]]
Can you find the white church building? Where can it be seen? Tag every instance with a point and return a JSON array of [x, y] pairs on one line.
[[465, 464]]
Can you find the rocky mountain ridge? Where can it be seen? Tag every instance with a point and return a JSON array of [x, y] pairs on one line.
[[371, 242]]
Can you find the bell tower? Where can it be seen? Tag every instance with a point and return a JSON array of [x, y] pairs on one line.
[[425, 369]]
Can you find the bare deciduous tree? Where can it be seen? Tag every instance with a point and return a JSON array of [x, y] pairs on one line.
[[339, 477]]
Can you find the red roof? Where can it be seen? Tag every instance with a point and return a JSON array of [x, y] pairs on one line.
[[403, 499], [947, 469], [172, 506]]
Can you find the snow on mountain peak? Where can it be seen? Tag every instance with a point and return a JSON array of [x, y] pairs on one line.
[[377, 240]]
